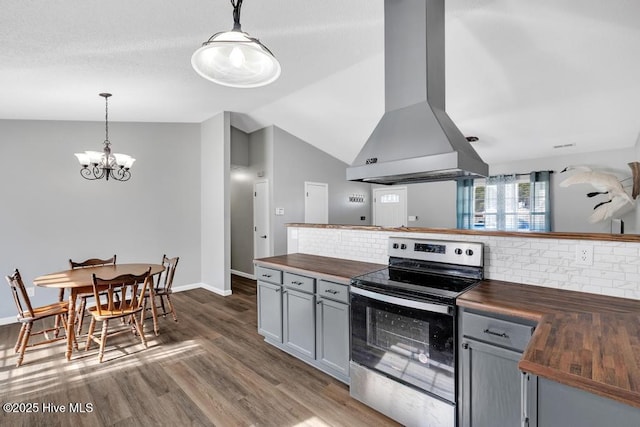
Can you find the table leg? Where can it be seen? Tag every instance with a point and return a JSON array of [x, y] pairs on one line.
[[71, 323], [154, 314]]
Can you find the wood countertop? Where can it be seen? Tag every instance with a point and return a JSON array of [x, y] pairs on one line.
[[333, 269], [607, 237], [587, 341]]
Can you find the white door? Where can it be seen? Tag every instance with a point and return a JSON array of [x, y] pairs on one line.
[[390, 206], [316, 203], [261, 235]]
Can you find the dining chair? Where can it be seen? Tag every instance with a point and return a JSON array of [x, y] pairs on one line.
[[91, 262], [162, 288], [131, 289], [28, 314]]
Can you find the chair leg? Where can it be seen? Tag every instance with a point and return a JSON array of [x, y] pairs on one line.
[[25, 341], [20, 336], [103, 339], [92, 327], [140, 331], [56, 325], [83, 306], [173, 310], [164, 312]]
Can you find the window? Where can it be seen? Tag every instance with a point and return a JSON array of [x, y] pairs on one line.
[[505, 202]]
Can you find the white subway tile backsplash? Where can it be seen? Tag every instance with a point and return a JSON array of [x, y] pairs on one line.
[[544, 262]]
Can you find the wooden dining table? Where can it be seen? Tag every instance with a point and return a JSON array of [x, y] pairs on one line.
[[80, 281]]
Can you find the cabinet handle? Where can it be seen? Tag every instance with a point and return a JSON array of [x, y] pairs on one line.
[[296, 283], [266, 275], [331, 291], [497, 334], [319, 302], [465, 346], [278, 290]]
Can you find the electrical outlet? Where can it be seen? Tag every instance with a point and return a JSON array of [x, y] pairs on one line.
[[584, 255], [31, 291]]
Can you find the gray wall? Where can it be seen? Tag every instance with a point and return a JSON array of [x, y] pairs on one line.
[[50, 213], [435, 203], [294, 162], [241, 203]]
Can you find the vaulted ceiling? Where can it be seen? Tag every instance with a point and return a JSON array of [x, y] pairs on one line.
[[523, 76]]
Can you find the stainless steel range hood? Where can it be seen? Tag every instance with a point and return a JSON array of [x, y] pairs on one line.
[[415, 141]]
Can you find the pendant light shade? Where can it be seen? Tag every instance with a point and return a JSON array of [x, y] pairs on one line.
[[235, 59]]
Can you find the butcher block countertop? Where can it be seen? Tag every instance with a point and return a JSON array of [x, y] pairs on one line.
[[333, 269], [583, 340]]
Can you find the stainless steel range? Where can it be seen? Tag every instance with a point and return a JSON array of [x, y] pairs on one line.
[[403, 329]]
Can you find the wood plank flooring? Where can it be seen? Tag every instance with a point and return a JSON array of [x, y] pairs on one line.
[[209, 369]]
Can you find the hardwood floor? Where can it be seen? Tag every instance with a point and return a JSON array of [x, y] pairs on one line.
[[210, 368]]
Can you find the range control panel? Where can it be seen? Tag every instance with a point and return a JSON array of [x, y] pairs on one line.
[[448, 251]]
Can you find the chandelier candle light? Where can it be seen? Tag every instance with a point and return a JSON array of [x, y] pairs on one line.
[[235, 59], [98, 165]]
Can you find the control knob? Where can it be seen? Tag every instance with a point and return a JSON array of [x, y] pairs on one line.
[[403, 246], [458, 251], [395, 246], [469, 252]]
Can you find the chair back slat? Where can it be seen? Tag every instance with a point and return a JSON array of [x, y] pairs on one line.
[[127, 285], [92, 262], [20, 296], [165, 280]]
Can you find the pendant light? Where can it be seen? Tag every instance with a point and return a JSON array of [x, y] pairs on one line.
[[235, 59]]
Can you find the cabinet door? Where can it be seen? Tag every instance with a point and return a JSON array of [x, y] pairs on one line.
[[299, 322], [492, 386], [270, 311], [332, 333]]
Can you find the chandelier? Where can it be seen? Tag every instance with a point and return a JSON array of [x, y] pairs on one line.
[[235, 59], [98, 165]]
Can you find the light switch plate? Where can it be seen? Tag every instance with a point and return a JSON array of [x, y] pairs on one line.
[[584, 255], [279, 211]]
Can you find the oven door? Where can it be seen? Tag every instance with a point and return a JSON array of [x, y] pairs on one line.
[[410, 341]]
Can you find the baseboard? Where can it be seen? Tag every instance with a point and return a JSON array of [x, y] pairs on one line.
[[242, 274], [203, 286], [8, 320]]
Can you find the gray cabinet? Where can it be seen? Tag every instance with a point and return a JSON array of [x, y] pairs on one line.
[[299, 321], [307, 317], [494, 392], [270, 303], [332, 330], [561, 405]]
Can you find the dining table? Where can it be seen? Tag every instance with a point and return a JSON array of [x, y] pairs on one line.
[[80, 281]]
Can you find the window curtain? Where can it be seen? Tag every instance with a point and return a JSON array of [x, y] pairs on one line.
[[464, 204], [540, 212]]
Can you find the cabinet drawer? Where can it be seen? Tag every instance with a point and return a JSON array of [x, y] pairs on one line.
[[496, 331], [270, 275], [334, 291], [300, 283]]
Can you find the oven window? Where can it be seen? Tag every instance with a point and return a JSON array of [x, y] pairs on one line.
[[397, 333], [416, 347]]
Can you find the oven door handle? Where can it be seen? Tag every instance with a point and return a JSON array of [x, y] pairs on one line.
[[419, 305]]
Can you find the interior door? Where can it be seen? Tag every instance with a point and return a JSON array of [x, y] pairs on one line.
[[316, 203], [390, 207], [261, 234]]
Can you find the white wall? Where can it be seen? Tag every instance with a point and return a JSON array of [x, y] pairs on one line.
[[215, 151], [50, 213]]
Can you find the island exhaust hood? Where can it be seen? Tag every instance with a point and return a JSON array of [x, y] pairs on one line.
[[415, 141]]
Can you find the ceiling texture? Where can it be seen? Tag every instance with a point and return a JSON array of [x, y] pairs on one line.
[[523, 76]]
